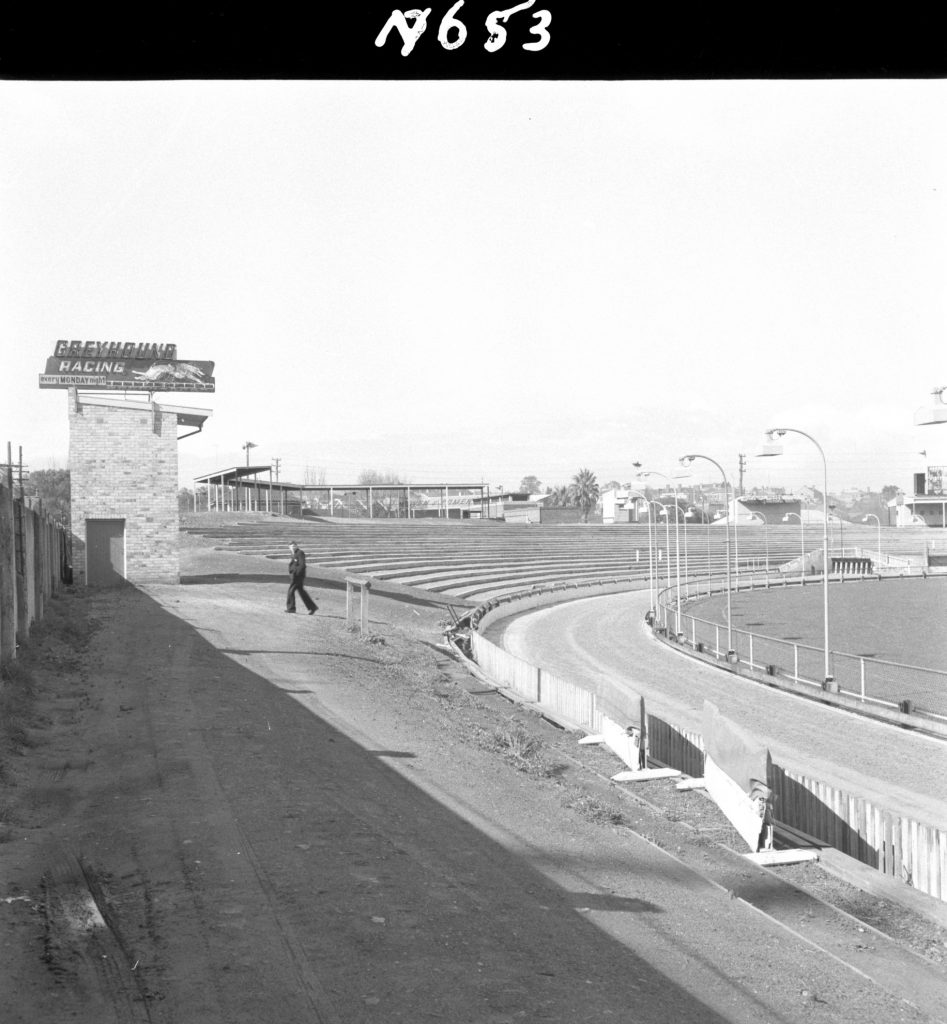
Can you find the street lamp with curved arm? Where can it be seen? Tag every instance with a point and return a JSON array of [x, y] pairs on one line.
[[652, 590], [802, 540], [754, 515], [667, 531], [686, 460], [933, 416], [871, 515], [691, 513], [677, 537], [772, 448]]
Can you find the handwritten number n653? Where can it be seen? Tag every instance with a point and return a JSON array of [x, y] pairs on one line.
[[496, 32]]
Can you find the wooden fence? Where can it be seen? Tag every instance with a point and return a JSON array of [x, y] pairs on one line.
[[34, 564], [910, 851]]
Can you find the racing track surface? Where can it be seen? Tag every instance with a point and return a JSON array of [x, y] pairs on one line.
[[605, 637]]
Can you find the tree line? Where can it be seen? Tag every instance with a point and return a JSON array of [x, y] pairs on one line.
[[582, 493]]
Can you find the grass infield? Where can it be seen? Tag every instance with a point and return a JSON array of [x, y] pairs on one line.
[[900, 620]]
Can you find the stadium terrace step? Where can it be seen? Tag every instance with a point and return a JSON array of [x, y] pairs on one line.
[[465, 561], [491, 588]]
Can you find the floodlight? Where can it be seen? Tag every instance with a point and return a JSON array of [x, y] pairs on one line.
[[934, 415], [930, 417], [771, 447]]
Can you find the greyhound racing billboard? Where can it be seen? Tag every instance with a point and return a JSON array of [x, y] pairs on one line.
[[124, 366]]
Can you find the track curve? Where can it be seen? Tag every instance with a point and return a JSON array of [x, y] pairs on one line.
[[605, 638]]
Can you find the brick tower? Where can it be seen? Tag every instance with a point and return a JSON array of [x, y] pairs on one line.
[[123, 462]]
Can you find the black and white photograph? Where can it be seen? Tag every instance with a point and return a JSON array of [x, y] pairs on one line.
[[473, 528]]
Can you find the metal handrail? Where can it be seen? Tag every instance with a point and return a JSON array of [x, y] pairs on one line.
[[928, 695]]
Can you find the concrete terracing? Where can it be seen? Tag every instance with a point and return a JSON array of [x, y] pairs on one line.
[[467, 562]]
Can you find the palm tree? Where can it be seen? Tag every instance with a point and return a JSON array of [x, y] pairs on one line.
[[585, 492], [559, 496]]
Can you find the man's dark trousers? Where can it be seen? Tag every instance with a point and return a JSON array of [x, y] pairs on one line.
[[297, 574], [296, 586]]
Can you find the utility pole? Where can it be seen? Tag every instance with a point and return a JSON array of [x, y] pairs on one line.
[[274, 468]]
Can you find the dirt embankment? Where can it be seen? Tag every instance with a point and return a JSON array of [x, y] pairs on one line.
[[212, 811]]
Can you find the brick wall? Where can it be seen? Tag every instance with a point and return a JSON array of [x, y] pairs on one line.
[[123, 464]]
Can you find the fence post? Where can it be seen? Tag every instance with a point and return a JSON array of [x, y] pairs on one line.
[[364, 585], [7, 575]]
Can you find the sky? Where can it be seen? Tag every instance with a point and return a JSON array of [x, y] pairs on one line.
[[475, 281]]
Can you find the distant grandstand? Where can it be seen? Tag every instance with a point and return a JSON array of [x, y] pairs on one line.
[[253, 489]]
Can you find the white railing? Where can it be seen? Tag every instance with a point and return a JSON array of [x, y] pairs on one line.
[[872, 681]]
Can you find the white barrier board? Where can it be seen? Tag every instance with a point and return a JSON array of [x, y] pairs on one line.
[[743, 813]]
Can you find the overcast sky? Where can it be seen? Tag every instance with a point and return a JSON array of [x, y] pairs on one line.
[[475, 281]]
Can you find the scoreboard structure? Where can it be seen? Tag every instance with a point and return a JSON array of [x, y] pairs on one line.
[[124, 366]]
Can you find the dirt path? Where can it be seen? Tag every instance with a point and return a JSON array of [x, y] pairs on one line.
[[218, 812]]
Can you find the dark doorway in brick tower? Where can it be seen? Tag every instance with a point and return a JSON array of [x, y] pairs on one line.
[[105, 552]]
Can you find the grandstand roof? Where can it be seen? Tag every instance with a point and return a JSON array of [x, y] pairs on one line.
[[233, 475]]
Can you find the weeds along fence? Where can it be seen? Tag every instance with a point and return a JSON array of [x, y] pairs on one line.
[[878, 686], [913, 852], [34, 564]]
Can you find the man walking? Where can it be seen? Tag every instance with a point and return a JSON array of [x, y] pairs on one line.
[[297, 579]]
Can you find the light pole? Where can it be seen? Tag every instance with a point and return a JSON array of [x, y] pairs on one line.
[[871, 515], [773, 448], [705, 512], [677, 539], [802, 540], [932, 416], [666, 512], [686, 460], [691, 513], [759, 516], [841, 530], [246, 447], [736, 539], [667, 532], [651, 587], [686, 516]]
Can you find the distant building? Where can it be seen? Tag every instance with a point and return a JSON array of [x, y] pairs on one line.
[[928, 506], [620, 506], [747, 511]]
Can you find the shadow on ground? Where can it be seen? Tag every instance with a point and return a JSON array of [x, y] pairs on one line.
[[329, 877]]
